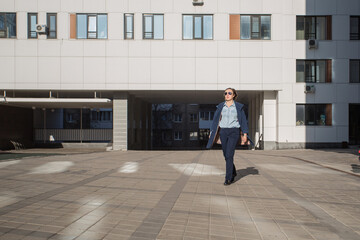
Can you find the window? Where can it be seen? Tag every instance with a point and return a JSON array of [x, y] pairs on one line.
[[197, 27], [51, 24], [177, 117], [7, 25], [193, 136], [313, 27], [129, 26], [177, 135], [250, 27], [153, 26], [313, 71], [101, 116], [314, 114], [193, 117], [355, 28], [355, 71], [212, 115], [91, 26], [32, 21], [72, 118], [206, 116]]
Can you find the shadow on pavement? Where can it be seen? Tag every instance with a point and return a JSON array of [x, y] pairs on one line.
[[241, 173], [11, 155]]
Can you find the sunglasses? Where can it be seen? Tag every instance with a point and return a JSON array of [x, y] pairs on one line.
[[226, 93]]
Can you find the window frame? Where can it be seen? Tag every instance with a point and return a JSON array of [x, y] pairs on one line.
[[208, 114], [328, 114], [328, 70], [125, 26], [88, 15], [202, 26], [152, 27], [29, 25], [6, 34], [193, 117], [175, 119], [251, 26], [179, 136], [358, 33], [328, 27], [191, 138], [48, 17]]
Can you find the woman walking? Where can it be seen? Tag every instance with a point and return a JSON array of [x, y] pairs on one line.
[[229, 117]]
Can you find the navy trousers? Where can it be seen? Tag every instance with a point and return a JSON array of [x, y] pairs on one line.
[[229, 137]]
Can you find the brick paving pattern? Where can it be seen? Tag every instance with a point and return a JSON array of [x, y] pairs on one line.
[[287, 194]]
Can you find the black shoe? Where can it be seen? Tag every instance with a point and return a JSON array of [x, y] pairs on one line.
[[227, 182], [232, 179]]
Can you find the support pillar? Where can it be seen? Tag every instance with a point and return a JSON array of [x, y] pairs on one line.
[[120, 123], [270, 120]]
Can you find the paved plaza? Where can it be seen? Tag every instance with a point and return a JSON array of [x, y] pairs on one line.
[[285, 194]]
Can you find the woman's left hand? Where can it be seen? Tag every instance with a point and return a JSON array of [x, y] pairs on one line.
[[243, 139]]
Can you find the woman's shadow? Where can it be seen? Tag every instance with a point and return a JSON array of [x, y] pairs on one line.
[[241, 173]]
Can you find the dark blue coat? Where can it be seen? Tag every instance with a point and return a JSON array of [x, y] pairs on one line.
[[215, 124]]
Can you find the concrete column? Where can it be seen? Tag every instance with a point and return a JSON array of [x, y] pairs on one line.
[[131, 122], [258, 119], [270, 120], [120, 123]]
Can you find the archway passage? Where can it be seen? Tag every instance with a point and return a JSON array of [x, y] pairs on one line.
[[71, 117], [182, 119]]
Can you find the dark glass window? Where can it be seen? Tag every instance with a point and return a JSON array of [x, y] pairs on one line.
[[313, 27], [313, 71], [355, 28], [193, 117], [7, 25], [91, 26], [197, 27], [52, 25], [129, 26], [212, 115], [177, 135], [72, 118], [153, 26], [255, 27], [177, 117], [355, 71], [32, 21], [314, 114]]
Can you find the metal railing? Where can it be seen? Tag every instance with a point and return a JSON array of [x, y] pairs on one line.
[[73, 135]]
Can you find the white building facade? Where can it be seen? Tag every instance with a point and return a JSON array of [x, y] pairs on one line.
[[128, 54]]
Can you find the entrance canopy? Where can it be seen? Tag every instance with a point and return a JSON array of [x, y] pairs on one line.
[[58, 102], [190, 96]]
